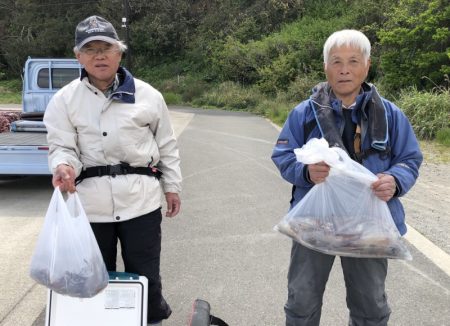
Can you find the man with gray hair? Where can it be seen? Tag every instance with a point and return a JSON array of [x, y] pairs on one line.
[[111, 139], [350, 114]]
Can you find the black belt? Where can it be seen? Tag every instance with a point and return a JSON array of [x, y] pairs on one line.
[[119, 169]]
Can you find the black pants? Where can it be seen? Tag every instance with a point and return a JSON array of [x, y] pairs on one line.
[[140, 241]]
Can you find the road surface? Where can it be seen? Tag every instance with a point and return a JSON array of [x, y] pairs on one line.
[[222, 248]]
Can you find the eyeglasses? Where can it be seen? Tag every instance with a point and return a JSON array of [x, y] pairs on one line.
[[104, 51]]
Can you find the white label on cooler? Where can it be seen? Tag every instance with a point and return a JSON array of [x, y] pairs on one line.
[[120, 298]]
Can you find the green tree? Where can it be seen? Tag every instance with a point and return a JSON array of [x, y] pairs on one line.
[[279, 58], [160, 28], [415, 44], [229, 26], [7, 8], [41, 29]]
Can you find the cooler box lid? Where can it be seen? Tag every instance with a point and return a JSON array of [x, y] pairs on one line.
[[122, 302]]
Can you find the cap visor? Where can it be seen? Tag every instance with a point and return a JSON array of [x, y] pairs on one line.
[[97, 38]]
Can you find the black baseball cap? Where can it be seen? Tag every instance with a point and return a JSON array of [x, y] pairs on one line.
[[95, 28]]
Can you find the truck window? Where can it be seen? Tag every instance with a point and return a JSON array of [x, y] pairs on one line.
[[60, 77]]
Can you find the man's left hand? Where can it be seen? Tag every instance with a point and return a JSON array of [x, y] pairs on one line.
[[384, 188], [173, 204]]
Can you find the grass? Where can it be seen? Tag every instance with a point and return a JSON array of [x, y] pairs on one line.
[[443, 137], [10, 93]]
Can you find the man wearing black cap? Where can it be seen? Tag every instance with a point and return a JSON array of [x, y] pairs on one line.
[[111, 140]]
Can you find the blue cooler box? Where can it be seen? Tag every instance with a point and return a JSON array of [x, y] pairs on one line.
[[122, 302]]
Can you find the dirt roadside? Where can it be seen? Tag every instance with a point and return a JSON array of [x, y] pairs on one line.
[[427, 204], [10, 107]]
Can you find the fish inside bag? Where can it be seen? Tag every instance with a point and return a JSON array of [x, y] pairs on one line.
[[67, 258], [342, 216]]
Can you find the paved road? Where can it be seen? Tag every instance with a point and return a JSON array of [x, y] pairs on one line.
[[221, 248]]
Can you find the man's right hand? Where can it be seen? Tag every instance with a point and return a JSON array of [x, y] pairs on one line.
[[318, 172], [64, 178]]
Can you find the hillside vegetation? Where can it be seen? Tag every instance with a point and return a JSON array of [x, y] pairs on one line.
[[263, 56]]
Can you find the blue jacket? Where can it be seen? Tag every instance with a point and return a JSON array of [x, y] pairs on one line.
[[402, 162]]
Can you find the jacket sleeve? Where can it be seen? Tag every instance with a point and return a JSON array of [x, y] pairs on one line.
[[169, 160], [406, 156], [290, 138], [61, 136]]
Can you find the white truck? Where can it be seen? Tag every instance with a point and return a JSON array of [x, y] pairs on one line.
[[24, 149]]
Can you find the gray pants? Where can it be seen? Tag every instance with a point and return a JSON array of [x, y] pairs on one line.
[[364, 281]]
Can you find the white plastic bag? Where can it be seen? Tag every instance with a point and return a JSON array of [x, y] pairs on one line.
[[67, 258], [342, 216]]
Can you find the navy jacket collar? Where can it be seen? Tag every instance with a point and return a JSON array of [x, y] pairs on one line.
[[126, 90]]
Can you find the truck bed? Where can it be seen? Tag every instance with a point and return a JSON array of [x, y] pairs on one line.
[[23, 153], [23, 139]]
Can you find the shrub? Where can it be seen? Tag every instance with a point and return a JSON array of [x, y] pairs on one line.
[[229, 95], [277, 75], [428, 112], [274, 61], [185, 87], [172, 98], [237, 61], [169, 85], [192, 88], [301, 88]]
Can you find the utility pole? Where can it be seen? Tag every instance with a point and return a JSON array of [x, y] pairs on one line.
[[126, 25]]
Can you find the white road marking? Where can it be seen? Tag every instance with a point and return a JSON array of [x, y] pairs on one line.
[[180, 120], [438, 256]]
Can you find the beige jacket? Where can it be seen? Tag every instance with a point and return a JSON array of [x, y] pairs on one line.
[[87, 129]]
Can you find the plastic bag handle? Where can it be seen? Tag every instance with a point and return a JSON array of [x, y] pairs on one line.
[[57, 203], [74, 205]]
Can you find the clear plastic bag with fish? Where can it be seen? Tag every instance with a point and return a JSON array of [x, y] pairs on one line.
[[342, 216], [67, 258]]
